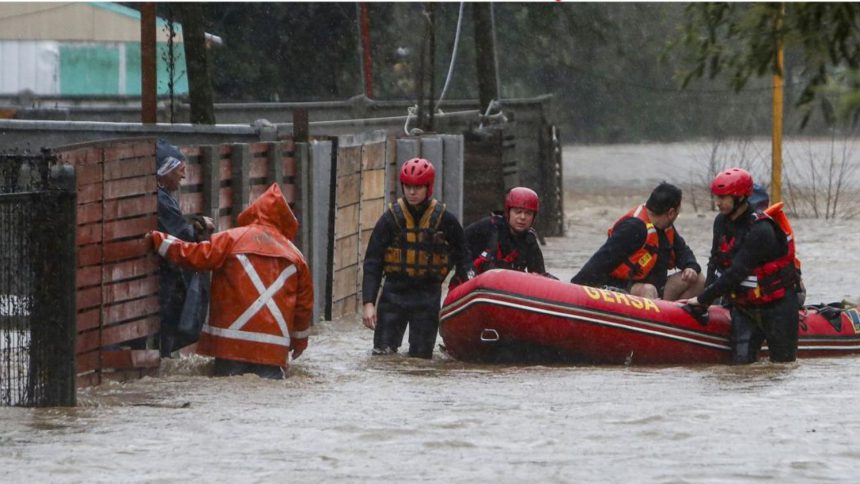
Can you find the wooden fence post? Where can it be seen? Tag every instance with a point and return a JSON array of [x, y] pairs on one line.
[[240, 156], [210, 166]]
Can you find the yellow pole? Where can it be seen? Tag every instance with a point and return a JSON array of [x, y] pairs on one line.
[[776, 138]]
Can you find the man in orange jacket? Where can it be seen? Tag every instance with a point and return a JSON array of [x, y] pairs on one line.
[[262, 292]]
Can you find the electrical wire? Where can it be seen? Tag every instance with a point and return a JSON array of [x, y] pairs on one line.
[[453, 57]]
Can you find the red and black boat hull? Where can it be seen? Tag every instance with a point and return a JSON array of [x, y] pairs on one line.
[[512, 316]]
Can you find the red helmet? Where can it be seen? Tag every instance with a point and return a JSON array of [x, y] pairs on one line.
[[734, 181], [418, 171], [522, 197]]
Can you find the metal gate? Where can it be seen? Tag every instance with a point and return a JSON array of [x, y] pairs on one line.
[[37, 281]]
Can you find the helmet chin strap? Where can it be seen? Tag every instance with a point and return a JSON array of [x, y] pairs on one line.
[[739, 202]]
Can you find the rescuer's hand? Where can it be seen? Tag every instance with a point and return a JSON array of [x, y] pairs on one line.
[[693, 301], [688, 275], [369, 315]]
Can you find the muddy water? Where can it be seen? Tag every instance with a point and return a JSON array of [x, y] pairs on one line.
[[344, 416]]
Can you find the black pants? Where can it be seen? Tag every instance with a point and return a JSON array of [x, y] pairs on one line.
[[415, 305], [775, 322], [231, 367]]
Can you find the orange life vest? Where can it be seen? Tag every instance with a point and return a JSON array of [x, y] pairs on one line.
[[262, 291], [640, 263], [778, 216]]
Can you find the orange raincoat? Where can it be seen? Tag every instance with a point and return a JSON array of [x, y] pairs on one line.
[[262, 292]]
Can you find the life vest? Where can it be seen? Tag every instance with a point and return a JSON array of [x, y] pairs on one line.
[[767, 282], [492, 256], [778, 216], [420, 249], [262, 290], [640, 263]]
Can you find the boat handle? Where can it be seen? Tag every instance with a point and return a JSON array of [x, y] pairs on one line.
[[489, 335]]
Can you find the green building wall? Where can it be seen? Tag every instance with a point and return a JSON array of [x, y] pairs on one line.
[[95, 69]]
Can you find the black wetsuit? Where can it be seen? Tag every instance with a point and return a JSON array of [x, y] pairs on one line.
[[491, 240], [409, 300], [775, 321]]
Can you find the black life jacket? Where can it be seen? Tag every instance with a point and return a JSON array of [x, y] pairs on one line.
[[493, 257], [767, 282]]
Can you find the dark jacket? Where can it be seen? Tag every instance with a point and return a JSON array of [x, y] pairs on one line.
[[757, 243], [183, 294], [628, 237], [385, 234], [492, 235]]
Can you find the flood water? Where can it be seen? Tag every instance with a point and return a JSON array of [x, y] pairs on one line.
[[343, 415]]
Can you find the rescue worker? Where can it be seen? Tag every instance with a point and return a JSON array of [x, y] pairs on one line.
[[414, 245], [262, 293], [643, 245], [752, 265], [183, 295], [507, 240], [760, 202]]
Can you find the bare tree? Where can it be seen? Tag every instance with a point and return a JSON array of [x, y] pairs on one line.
[[197, 62]]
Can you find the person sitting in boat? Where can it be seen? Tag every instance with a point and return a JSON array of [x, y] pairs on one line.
[[507, 240], [414, 245], [643, 245], [752, 265]]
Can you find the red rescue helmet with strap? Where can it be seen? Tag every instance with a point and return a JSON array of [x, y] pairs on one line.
[[522, 197], [418, 171], [734, 181]]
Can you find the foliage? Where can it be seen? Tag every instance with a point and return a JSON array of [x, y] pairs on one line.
[[600, 61], [284, 51], [739, 41]]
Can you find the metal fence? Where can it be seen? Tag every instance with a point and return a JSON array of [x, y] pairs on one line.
[[37, 299]]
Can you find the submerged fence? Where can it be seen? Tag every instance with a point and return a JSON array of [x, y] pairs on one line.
[[76, 259], [37, 307]]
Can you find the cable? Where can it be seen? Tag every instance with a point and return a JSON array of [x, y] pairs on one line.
[[453, 57], [495, 49]]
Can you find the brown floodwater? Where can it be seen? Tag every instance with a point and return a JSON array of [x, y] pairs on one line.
[[343, 415]]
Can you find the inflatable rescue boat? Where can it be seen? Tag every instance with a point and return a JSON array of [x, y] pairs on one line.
[[513, 316]]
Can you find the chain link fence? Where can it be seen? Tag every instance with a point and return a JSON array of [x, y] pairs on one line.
[[37, 272]]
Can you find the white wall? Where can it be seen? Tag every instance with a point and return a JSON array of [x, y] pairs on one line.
[[29, 64]]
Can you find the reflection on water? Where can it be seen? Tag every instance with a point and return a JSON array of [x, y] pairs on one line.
[[343, 415]]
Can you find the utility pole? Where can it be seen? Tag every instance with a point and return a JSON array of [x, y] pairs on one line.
[[431, 19], [776, 138], [485, 50], [197, 63], [367, 61], [425, 70], [148, 74]]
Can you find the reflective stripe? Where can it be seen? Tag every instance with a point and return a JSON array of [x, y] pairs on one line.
[[265, 298], [247, 335], [750, 281], [165, 244], [301, 334]]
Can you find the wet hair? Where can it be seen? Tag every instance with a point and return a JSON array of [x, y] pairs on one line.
[[664, 197]]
